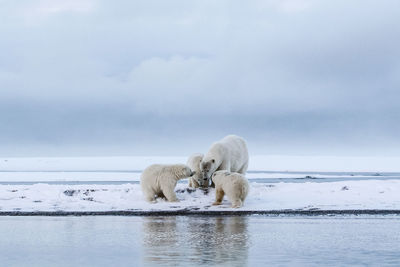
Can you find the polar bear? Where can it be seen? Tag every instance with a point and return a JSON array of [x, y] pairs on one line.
[[229, 154], [160, 180], [194, 164], [233, 185]]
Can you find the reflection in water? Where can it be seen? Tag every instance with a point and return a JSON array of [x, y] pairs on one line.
[[196, 240], [161, 239]]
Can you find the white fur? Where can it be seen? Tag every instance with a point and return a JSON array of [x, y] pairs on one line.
[[160, 180], [233, 185], [194, 164], [229, 154]]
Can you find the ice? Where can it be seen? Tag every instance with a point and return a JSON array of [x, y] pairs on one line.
[[44, 194], [279, 163]]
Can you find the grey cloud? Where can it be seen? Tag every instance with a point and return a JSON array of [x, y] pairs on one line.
[[286, 74]]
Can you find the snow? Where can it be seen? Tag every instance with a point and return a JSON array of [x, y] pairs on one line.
[[354, 192], [84, 163], [324, 163], [371, 194], [279, 163], [56, 176]]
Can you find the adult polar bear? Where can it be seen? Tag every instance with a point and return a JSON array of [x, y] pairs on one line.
[[228, 154]]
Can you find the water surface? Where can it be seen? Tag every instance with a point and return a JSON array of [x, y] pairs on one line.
[[199, 240]]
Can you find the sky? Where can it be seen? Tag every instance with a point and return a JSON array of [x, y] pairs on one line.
[[293, 77]]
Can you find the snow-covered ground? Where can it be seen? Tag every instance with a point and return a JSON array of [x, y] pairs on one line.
[[257, 163], [372, 194], [355, 183]]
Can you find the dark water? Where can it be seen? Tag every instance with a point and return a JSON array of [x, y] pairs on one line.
[[193, 241]]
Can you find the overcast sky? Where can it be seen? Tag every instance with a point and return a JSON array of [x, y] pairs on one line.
[[305, 77]]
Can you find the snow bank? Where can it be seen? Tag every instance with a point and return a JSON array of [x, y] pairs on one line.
[[257, 163], [372, 194], [57, 176], [84, 163], [324, 163]]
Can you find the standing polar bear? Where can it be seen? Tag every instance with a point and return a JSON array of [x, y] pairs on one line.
[[194, 164], [233, 185], [160, 180], [229, 154]]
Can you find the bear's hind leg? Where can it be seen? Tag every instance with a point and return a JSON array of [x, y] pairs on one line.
[[150, 198], [219, 195], [237, 203], [244, 168], [160, 195]]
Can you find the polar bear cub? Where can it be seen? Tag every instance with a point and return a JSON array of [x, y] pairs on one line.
[[194, 164], [233, 185], [160, 180], [229, 154]]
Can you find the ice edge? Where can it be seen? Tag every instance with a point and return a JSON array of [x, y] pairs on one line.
[[190, 212]]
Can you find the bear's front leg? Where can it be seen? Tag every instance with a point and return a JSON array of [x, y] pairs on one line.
[[170, 195], [219, 195], [195, 184], [212, 184]]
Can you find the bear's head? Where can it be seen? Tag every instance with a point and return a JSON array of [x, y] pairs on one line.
[[184, 172], [207, 168], [198, 177]]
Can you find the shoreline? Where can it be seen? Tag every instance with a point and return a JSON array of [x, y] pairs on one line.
[[191, 212]]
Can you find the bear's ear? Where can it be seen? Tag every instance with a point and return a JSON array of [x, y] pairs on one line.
[[213, 160]]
